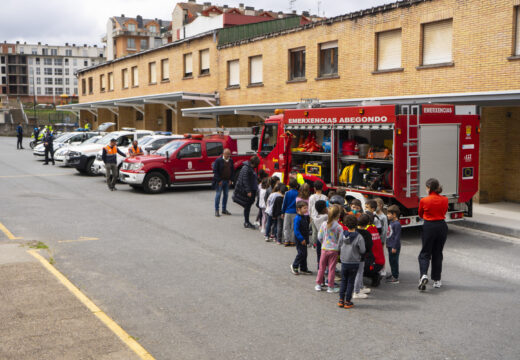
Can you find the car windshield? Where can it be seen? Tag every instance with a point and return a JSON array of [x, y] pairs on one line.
[[92, 140], [64, 137], [145, 140], [171, 147], [106, 139]]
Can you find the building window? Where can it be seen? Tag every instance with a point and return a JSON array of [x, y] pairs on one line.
[[517, 31], [102, 82], [58, 81], [124, 77], [59, 91], [389, 50], [68, 52], [297, 64], [204, 62], [110, 81], [130, 43], [66, 62], [38, 91], [233, 73], [58, 71], [75, 91], [135, 76], [85, 63], [54, 52], [158, 42], [139, 116], [83, 86], [47, 71], [66, 71], [58, 62], [144, 44], [131, 27], [38, 81], [165, 69], [67, 91], [437, 41], [152, 28], [48, 81], [67, 81], [34, 51], [90, 85], [75, 81], [47, 61], [48, 91], [152, 73], [255, 70], [188, 65], [45, 52], [38, 71], [329, 59], [37, 62]]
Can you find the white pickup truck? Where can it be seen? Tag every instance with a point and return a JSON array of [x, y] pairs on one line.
[[82, 157]]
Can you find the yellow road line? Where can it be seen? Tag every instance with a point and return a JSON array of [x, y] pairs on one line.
[[31, 175], [111, 324], [82, 238], [7, 233]]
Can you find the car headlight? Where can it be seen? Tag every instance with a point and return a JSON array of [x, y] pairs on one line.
[[132, 166], [73, 154], [99, 157]]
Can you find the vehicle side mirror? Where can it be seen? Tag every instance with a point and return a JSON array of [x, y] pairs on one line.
[[167, 156], [254, 143], [255, 130], [149, 148]]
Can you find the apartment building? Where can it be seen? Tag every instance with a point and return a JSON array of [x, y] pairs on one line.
[[412, 51], [127, 35], [43, 71]]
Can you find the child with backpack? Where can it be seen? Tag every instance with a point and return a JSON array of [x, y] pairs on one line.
[[262, 188], [289, 212], [322, 216], [394, 243], [272, 221], [301, 236], [360, 291], [329, 235]]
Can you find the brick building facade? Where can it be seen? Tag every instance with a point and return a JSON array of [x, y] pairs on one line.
[[403, 50]]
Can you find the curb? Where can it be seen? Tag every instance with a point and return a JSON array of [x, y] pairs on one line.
[[501, 230]]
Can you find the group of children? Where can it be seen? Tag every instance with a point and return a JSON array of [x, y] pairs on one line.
[[339, 231]]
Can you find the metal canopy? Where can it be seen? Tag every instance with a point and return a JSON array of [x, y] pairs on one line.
[[491, 98], [168, 99]]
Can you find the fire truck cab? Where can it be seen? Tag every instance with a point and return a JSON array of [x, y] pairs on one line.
[[386, 151]]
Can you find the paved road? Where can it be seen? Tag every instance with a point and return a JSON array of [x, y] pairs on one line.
[[191, 286]]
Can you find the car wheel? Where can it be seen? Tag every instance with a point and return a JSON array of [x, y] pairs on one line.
[[89, 169], [81, 171], [154, 183]]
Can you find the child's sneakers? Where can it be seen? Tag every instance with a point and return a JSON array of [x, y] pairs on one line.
[[333, 290], [268, 239], [437, 284], [305, 272], [365, 290], [359, 295], [341, 303], [294, 271], [318, 288], [348, 305], [393, 280], [423, 282]]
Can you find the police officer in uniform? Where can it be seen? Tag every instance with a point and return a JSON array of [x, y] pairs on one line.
[[48, 142], [19, 135], [110, 159]]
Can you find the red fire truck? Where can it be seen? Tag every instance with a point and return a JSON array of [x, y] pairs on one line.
[[386, 151]]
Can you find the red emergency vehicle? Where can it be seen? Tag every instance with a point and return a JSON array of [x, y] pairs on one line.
[[386, 151], [180, 162]]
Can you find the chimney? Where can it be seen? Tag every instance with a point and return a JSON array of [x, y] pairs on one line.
[[160, 22], [224, 6], [95, 45], [241, 7], [73, 45], [122, 15], [294, 12], [66, 44], [192, 1], [139, 19], [84, 45], [39, 43], [250, 10], [17, 42]]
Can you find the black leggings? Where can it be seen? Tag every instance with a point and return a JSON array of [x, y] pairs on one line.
[[433, 239], [247, 210]]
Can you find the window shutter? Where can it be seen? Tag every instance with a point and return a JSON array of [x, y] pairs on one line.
[[389, 50], [188, 64], [135, 76], [125, 78], [437, 41], [165, 69], [234, 73], [110, 81], [153, 74], [517, 37], [256, 70], [329, 45], [103, 82], [204, 60]]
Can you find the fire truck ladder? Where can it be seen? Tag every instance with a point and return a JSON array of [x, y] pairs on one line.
[[412, 149]]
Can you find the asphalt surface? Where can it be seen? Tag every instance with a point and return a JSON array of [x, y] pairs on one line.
[[192, 286]]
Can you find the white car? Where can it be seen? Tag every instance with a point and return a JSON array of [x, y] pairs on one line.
[[82, 157], [60, 155], [68, 138]]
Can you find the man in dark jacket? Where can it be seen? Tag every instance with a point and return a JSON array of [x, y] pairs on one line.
[[246, 188], [19, 136], [48, 142], [223, 169]]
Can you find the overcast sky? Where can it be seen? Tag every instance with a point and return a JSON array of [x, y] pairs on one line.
[[56, 22]]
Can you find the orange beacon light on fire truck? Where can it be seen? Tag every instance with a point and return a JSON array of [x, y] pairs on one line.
[[279, 111]]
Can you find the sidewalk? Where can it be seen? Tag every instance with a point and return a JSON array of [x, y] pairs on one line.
[[41, 319], [500, 218]]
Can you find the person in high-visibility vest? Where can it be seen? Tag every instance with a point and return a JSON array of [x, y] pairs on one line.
[[109, 157], [135, 149], [87, 126]]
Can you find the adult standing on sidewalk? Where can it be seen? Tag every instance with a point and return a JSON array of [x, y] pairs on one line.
[[19, 136], [223, 169], [246, 188], [110, 159], [432, 209], [48, 142]]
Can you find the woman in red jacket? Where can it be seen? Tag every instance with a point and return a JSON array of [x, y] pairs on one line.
[[432, 209]]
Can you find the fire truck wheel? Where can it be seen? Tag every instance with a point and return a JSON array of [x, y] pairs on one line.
[[154, 183]]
